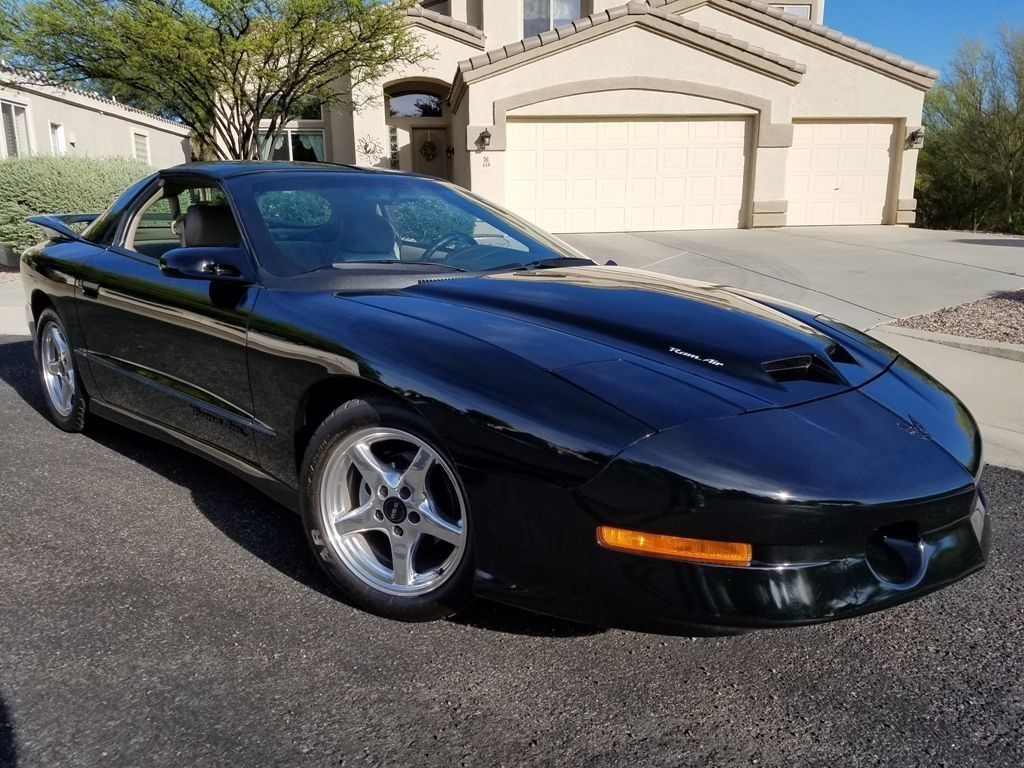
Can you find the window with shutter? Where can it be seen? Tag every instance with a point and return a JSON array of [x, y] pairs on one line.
[[15, 129], [141, 142]]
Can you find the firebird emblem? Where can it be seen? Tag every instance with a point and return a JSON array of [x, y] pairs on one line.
[[698, 358], [913, 427]]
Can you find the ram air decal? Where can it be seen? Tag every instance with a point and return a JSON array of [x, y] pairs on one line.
[[698, 358]]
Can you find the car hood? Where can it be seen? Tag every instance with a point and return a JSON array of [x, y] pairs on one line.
[[664, 349]]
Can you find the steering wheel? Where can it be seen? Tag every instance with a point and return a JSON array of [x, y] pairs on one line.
[[453, 239]]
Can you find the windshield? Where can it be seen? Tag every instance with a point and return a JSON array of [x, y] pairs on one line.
[[304, 221]]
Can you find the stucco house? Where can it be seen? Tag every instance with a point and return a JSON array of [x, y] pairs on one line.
[[587, 115], [39, 118]]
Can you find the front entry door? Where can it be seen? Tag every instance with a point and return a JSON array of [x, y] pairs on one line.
[[430, 151]]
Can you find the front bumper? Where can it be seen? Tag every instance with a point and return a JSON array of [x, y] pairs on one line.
[[851, 504], [659, 595]]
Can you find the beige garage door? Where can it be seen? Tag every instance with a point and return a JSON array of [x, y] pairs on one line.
[[839, 173], [613, 175]]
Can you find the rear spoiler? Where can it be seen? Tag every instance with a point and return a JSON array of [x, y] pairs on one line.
[[58, 226]]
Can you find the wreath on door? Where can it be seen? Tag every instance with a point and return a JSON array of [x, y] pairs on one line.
[[428, 150]]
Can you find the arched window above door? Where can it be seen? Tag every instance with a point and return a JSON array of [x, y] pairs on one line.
[[414, 104]]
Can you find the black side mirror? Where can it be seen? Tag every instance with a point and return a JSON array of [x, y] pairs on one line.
[[223, 264]]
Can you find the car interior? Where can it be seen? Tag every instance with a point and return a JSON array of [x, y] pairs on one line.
[[306, 230], [362, 234], [201, 217], [300, 231], [182, 219]]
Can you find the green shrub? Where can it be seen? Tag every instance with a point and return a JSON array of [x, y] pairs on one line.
[[31, 186]]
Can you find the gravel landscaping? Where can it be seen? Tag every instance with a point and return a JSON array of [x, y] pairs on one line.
[[998, 318], [9, 275]]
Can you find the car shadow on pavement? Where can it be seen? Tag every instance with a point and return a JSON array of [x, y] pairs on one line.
[[497, 617], [249, 518], [17, 369], [8, 748], [1003, 241], [274, 534]]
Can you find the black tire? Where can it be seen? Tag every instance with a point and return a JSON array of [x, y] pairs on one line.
[[74, 418], [354, 418]]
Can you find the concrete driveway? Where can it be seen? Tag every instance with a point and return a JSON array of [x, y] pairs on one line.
[[12, 308], [860, 275]]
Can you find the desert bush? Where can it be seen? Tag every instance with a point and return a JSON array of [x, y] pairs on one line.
[[31, 186], [971, 173]]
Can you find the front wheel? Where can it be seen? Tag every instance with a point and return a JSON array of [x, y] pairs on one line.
[[55, 358], [386, 514]]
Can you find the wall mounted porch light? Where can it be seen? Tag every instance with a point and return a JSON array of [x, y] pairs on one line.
[[915, 139]]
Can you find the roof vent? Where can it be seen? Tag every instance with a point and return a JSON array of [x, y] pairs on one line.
[[803, 368]]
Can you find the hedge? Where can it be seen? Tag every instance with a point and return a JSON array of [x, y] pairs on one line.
[[37, 185]]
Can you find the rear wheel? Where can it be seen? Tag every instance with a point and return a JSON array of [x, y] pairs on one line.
[[55, 358], [386, 513]]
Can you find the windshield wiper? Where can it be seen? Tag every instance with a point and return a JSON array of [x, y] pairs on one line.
[[548, 263], [403, 263]]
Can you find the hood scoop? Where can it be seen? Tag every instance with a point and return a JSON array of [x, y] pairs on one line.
[[810, 367]]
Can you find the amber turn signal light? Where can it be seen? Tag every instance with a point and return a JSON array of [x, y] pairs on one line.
[[676, 547]]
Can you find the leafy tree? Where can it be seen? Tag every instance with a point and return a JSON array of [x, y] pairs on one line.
[[219, 66], [971, 172]]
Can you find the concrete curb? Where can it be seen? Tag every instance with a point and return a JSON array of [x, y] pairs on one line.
[[12, 309], [1002, 349]]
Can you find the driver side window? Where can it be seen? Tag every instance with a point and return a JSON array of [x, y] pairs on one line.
[[159, 226]]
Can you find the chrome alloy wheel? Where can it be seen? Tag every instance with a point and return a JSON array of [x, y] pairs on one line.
[[392, 511], [58, 370]]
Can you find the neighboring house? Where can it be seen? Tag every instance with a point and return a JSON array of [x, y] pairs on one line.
[[43, 119], [590, 116]]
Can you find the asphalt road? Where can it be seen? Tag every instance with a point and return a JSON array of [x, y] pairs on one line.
[[155, 611]]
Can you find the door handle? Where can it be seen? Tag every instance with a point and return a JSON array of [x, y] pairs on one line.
[[90, 289]]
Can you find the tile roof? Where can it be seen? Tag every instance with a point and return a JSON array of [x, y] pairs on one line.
[[603, 17], [446, 21], [28, 78], [832, 34]]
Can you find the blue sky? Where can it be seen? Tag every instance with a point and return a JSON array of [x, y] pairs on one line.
[[927, 31]]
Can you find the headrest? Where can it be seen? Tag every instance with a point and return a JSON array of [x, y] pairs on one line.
[[368, 234], [209, 225]]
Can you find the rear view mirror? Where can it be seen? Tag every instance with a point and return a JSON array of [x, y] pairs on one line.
[[223, 264]]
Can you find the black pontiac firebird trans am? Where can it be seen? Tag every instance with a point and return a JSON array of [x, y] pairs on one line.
[[459, 404]]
